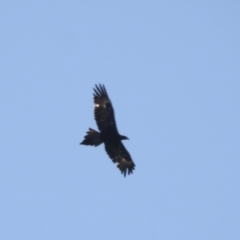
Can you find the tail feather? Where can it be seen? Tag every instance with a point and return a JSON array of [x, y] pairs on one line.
[[92, 138]]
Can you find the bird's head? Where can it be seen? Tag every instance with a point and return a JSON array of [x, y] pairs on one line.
[[124, 137]]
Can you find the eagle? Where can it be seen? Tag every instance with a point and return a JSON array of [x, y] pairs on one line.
[[108, 133]]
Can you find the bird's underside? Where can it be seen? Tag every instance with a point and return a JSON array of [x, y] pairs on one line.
[[108, 133]]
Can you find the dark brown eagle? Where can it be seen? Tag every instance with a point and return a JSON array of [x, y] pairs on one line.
[[104, 116]]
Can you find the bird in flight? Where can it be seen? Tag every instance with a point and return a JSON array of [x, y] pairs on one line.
[[108, 133]]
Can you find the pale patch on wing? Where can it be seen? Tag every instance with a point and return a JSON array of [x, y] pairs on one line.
[[103, 103], [127, 163], [124, 162]]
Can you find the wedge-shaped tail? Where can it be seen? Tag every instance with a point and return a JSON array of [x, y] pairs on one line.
[[92, 138]]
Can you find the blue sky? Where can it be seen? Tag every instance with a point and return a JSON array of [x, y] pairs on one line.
[[171, 69]]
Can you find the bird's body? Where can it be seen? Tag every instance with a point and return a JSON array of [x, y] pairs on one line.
[[104, 116]]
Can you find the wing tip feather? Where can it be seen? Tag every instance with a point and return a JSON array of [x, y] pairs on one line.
[[100, 90], [126, 167]]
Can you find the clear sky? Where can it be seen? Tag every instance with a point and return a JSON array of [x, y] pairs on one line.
[[172, 71]]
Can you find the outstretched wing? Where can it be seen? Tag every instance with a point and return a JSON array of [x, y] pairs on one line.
[[119, 154], [103, 111]]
